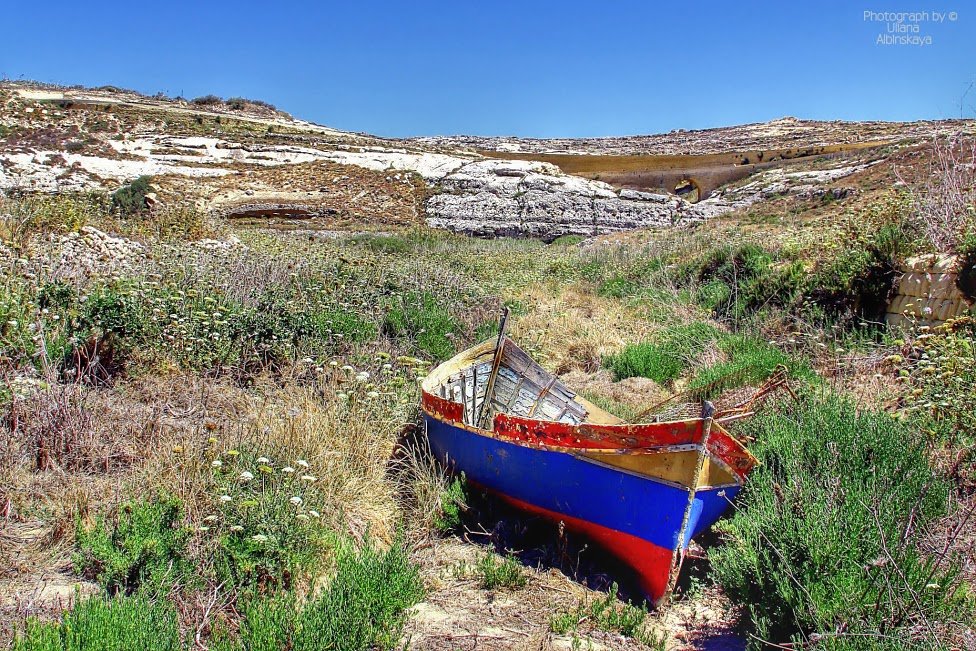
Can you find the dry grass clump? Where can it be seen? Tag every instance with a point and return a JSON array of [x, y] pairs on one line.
[[76, 428], [572, 328], [346, 428]]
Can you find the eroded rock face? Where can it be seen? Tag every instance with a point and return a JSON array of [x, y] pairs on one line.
[[535, 199]]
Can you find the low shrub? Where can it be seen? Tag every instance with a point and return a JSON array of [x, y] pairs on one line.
[[130, 199], [144, 548], [859, 281], [494, 574], [939, 373], [823, 544], [207, 100], [567, 240], [735, 281], [133, 623], [666, 356], [421, 320]]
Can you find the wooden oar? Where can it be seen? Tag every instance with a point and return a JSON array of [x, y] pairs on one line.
[[708, 417], [485, 411]]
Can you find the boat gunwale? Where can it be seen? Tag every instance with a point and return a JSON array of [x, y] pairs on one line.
[[738, 481]]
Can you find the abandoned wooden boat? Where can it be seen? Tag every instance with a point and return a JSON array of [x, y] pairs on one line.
[[640, 491]]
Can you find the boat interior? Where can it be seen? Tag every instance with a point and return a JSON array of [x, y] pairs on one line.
[[523, 388]]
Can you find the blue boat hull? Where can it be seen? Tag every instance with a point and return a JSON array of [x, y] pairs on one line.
[[638, 518]]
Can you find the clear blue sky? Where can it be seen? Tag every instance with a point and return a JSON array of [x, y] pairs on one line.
[[526, 68]]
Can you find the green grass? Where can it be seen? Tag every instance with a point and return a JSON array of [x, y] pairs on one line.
[[666, 356], [424, 322], [750, 361], [105, 624], [452, 503], [607, 614], [825, 535]]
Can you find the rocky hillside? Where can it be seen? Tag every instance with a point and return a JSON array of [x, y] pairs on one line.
[[787, 132], [244, 159]]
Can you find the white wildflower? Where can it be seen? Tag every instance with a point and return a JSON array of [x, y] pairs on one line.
[[259, 537], [314, 514], [264, 460], [288, 469], [309, 478], [296, 500], [216, 463], [246, 476], [225, 498], [302, 463]]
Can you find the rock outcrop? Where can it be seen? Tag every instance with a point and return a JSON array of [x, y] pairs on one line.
[[527, 198]]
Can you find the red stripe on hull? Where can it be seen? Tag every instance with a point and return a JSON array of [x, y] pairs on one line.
[[651, 563]]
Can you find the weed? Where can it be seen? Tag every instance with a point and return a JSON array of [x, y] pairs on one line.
[[423, 321], [939, 375], [504, 574], [608, 614], [750, 360], [453, 501], [362, 608], [265, 522]]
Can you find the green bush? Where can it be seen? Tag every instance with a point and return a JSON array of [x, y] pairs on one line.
[[567, 240], [735, 281], [495, 574], [131, 199], [665, 357], [424, 322], [144, 548], [365, 605], [207, 100], [101, 624], [859, 281], [939, 377], [825, 534]]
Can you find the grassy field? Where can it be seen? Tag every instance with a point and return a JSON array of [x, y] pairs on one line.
[[218, 444]]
